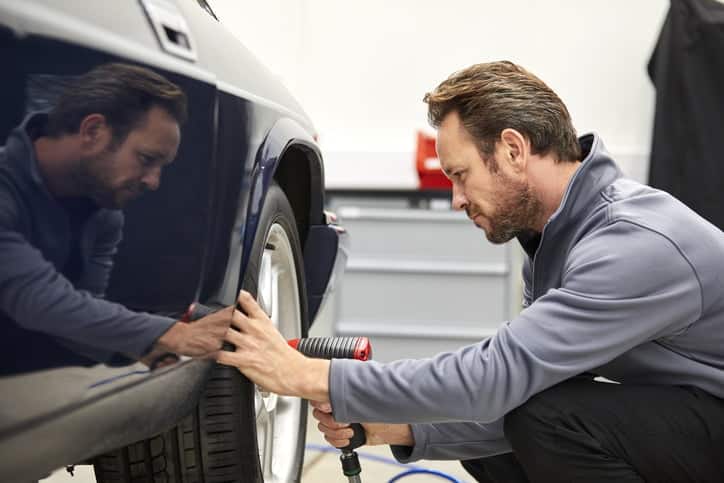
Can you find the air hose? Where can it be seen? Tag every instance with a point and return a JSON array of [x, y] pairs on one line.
[[409, 469]]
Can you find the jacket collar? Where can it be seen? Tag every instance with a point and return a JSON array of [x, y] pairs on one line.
[[597, 170], [21, 152]]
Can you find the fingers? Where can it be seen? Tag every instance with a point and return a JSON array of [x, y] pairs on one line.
[[325, 407], [250, 307], [213, 356], [234, 337], [221, 317], [337, 434], [337, 443], [253, 320], [228, 358], [328, 421], [338, 438], [341, 434], [228, 316], [238, 320], [250, 310]]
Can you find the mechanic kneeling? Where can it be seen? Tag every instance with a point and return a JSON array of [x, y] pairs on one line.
[[621, 281]]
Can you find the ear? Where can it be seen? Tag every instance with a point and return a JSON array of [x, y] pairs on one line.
[[94, 132], [515, 149]]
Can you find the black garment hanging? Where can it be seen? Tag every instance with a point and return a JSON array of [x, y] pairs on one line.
[[687, 68]]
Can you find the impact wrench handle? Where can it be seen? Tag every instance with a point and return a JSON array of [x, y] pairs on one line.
[[341, 348], [320, 348]]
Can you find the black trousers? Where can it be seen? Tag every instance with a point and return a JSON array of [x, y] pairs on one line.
[[587, 431]]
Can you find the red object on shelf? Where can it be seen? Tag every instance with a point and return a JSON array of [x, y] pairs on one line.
[[428, 166]]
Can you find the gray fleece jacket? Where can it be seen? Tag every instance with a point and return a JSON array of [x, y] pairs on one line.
[[626, 282]]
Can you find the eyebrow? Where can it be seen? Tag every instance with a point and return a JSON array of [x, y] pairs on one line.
[[450, 172], [151, 153], [155, 155]]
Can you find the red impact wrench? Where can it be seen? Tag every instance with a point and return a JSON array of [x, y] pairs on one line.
[[320, 348]]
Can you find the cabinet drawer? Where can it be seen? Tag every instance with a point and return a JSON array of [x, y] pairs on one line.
[[472, 300], [416, 234]]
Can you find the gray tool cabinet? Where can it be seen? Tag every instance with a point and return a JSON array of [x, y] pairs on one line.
[[420, 277]]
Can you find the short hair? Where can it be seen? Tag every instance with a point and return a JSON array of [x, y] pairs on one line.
[[123, 93], [491, 97]]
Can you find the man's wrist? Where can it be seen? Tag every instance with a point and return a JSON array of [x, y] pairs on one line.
[[401, 435], [314, 381], [168, 342], [392, 434]]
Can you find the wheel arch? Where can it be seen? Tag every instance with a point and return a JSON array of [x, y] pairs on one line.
[[299, 175], [287, 155]]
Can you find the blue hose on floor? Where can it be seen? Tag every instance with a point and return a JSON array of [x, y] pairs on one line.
[[424, 471], [409, 469]]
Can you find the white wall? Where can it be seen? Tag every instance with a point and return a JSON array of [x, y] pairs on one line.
[[361, 68]]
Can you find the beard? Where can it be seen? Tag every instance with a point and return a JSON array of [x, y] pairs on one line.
[[92, 175], [517, 209]]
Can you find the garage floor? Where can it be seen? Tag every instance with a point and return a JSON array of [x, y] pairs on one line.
[[321, 465], [378, 465]]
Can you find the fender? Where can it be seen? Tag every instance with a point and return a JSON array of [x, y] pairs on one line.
[[286, 134]]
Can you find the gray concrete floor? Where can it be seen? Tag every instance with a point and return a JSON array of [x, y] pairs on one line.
[[324, 467]]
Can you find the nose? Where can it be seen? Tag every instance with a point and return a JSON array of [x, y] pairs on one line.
[[152, 179], [459, 201]]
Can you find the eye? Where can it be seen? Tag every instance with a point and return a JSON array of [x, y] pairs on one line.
[[145, 160]]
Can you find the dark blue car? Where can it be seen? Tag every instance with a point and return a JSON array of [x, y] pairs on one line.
[[242, 206]]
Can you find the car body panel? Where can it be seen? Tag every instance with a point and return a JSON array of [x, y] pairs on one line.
[[78, 22], [93, 419], [217, 188], [117, 28]]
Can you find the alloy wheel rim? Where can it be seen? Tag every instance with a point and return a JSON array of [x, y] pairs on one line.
[[278, 417]]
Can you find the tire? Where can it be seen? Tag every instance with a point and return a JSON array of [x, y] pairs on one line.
[[218, 441]]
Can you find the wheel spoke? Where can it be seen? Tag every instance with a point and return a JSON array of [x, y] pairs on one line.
[[266, 282], [258, 404], [274, 304], [269, 446], [263, 435]]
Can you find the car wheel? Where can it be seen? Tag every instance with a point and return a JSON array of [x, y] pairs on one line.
[[237, 433]]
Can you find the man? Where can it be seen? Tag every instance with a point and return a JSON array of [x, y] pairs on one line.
[[63, 178], [621, 281]]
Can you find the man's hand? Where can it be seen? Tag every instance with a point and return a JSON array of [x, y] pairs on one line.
[[264, 356], [338, 434], [202, 338]]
